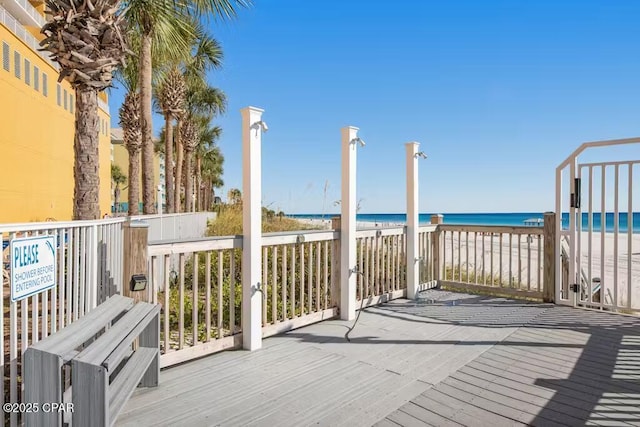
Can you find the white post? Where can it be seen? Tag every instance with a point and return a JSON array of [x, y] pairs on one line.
[[558, 247], [348, 225], [160, 199], [572, 234], [413, 275], [251, 229]]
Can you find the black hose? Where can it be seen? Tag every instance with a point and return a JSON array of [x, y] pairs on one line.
[[346, 336]]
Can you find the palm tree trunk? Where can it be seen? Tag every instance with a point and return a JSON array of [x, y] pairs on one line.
[[188, 187], [148, 192], [179, 155], [168, 163], [208, 195], [86, 193], [199, 183], [134, 182], [116, 199]]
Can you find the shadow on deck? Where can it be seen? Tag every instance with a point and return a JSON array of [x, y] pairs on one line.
[[445, 359]]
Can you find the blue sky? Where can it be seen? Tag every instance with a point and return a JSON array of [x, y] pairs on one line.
[[498, 93]]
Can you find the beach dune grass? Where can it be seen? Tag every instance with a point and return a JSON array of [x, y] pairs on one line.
[[459, 274], [229, 222]]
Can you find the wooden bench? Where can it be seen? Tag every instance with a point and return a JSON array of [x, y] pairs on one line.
[[109, 351]]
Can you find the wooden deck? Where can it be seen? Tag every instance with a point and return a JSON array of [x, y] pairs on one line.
[[446, 359]]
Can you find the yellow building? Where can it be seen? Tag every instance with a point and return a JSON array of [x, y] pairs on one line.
[[37, 124], [120, 157]]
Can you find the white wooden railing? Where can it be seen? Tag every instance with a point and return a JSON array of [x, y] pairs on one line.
[[508, 258], [89, 263], [381, 256], [296, 289], [297, 278], [207, 276]]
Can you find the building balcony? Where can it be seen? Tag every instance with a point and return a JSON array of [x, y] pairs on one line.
[[26, 14], [18, 28], [104, 106]]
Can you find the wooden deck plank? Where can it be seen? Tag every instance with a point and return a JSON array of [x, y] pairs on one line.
[[533, 400], [460, 411], [513, 364], [524, 404], [446, 358], [580, 391], [299, 404], [406, 420], [582, 402], [381, 404], [244, 389], [427, 416], [385, 422], [499, 409]]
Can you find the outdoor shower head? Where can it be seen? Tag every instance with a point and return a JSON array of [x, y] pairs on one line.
[[421, 154], [261, 124], [359, 141]]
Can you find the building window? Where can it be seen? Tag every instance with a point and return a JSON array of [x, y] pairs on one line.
[[5, 57], [27, 71], [65, 100], [17, 60], [59, 94], [71, 103], [45, 88], [36, 78]]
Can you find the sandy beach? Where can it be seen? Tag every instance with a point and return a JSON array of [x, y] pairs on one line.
[[520, 260], [325, 224]]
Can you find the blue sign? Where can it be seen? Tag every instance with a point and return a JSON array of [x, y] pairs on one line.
[[33, 266]]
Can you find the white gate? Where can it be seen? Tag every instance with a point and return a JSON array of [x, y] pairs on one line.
[[598, 262]]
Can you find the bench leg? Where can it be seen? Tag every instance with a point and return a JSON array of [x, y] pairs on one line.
[[42, 384], [90, 387], [150, 338]]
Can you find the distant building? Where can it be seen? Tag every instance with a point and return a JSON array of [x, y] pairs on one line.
[[120, 157], [37, 124]]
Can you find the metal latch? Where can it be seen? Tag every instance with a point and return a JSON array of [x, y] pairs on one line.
[[574, 288], [575, 201]]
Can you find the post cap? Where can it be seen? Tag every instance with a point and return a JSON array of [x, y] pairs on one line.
[[136, 223], [252, 109]]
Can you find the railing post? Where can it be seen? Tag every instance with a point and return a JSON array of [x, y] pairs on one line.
[[348, 225], [135, 262], [550, 259], [436, 220], [94, 267], [251, 228], [413, 275], [335, 264]]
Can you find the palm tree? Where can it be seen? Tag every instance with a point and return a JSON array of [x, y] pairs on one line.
[[129, 115], [211, 174], [208, 138], [118, 178], [132, 136], [203, 101], [166, 24], [234, 196], [171, 98], [85, 38], [189, 134], [158, 23], [200, 98]]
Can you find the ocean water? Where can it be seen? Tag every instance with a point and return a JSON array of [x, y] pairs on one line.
[[509, 219]]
